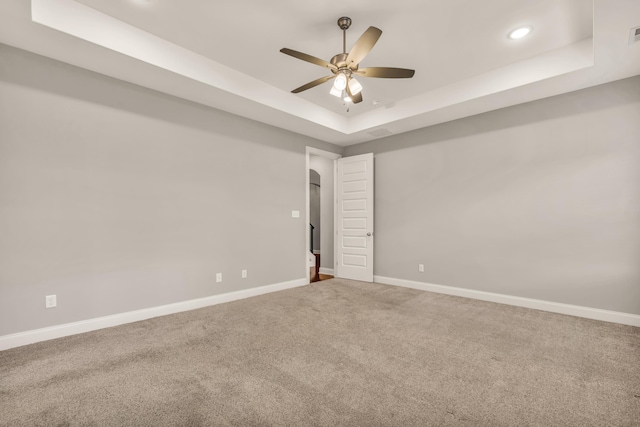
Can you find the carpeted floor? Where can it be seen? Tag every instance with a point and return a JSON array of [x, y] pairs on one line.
[[333, 353]]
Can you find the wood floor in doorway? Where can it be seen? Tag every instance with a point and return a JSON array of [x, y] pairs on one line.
[[315, 275]]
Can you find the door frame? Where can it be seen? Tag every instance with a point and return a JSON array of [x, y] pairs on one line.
[[331, 156]]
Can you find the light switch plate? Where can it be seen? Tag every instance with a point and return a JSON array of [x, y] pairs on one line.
[[295, 214], [50, 301]]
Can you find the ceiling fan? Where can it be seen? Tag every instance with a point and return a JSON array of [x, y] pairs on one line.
[[344, 66]]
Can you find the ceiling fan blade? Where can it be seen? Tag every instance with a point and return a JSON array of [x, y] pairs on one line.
[[354, 98], [308, 58], [357, 98], [363, 45], [386, 72], [312, 84]]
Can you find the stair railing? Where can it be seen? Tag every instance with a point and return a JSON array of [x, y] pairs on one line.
[[311, 231]]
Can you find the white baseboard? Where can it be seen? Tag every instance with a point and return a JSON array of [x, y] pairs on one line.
[[328, 271], [59, 331], [554, 307]]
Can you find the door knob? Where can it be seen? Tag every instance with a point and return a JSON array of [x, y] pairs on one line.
[[369, 234]]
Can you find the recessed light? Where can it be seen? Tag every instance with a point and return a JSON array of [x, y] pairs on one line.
[[519, 33]]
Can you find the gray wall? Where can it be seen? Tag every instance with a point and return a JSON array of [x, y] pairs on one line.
[[540, 200], [324, 167], [117, 198]]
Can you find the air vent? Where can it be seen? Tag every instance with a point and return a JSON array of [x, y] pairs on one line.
[[634, 35], [379, 133]]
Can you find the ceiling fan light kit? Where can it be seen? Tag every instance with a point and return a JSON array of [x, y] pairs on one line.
[[345, 66], [340, 82], [355, 86]]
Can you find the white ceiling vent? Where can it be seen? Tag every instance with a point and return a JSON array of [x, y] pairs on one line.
[[634, 35], [379, 133]]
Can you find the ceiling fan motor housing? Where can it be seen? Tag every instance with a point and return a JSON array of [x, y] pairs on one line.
[[344, 23], [340, 61]]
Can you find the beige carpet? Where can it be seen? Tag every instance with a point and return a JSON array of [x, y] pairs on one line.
[[333, 353]]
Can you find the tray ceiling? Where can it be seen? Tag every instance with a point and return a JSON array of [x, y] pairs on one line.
[[225, 54]]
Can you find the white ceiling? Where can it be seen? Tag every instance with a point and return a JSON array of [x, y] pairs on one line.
[[225, 53]]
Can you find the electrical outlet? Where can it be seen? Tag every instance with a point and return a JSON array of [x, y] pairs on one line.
[[295, 214], [421, 268], [244, 274], [218, 277], [50, 301]]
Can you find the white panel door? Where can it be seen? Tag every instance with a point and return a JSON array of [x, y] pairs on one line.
[[354, 225]]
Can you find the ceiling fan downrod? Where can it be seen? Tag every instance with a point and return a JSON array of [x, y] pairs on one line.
[[344, 23]]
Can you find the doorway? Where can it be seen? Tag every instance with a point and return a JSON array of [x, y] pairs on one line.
[[347, 233], [315, 222], [320, 213]]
